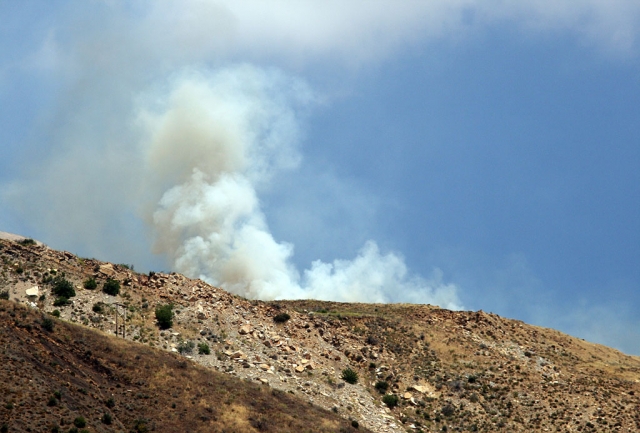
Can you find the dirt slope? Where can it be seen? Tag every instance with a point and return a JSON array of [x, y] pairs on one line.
[[50, 378], [450, 371]]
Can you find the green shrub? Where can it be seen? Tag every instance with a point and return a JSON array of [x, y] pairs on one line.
[[90, 284], [390, 400], [354, 423], [448, 410], [4, 295], [203, 349], [47, 324], [382, 386], [80, 422], [186, 347], [55, 313], [26, 242], [164, 316], [141, 426], [106, 418], [52, 401], [98, 307], [349, 376], [4, 428], [61, 301], [111, 287], [110, 402], [63, 288], [281, 318]]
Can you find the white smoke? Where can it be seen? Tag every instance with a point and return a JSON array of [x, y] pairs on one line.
[[209, 145]]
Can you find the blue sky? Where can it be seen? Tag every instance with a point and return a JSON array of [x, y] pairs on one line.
[[477, 155]]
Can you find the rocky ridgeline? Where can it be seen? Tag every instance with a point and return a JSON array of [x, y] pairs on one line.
[[455, 371]]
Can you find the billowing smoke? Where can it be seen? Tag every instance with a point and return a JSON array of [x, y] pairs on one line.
[[209, 145]]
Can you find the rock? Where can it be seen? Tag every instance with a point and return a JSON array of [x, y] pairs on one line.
[[34, 291], [421, 389], [300, 368], [407, 395], [245, 329], [238, 355], [264, 367], [107, 269]]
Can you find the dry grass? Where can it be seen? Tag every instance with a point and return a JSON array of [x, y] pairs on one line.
[[152, 390]]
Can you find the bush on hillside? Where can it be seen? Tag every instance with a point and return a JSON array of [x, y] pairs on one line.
[[350, 376], [111, 287], [90, 284], [281, 318], [390, 400], [382, 386], [164, 316], [62, 287]]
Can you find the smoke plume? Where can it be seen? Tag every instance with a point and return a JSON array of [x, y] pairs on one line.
[[209, 145]]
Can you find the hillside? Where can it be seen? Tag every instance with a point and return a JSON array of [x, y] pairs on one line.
[[55, 373], [449, 371]]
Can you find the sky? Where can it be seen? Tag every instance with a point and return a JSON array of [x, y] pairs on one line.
[[468, 154]]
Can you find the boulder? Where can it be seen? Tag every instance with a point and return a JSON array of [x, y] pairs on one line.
[[245, 329]]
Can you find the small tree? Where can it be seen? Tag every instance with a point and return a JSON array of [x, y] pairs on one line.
[[382, 386], [350, 376], [111, 287], [63, 288], [80, 422], [164, 316], [390, 400], [90, 284], [203, 349]]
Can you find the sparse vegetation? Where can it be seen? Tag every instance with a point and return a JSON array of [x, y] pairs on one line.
[[111, 287], [98, 307], [4, 295], [55, 313], [164, 316], [27, 242], [186, 347], [350, 376], [47, 324], [90, 284]]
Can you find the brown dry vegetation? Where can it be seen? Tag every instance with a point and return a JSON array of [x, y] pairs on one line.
[[49, 379]]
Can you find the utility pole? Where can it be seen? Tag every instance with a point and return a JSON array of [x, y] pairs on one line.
[[124, 318]]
